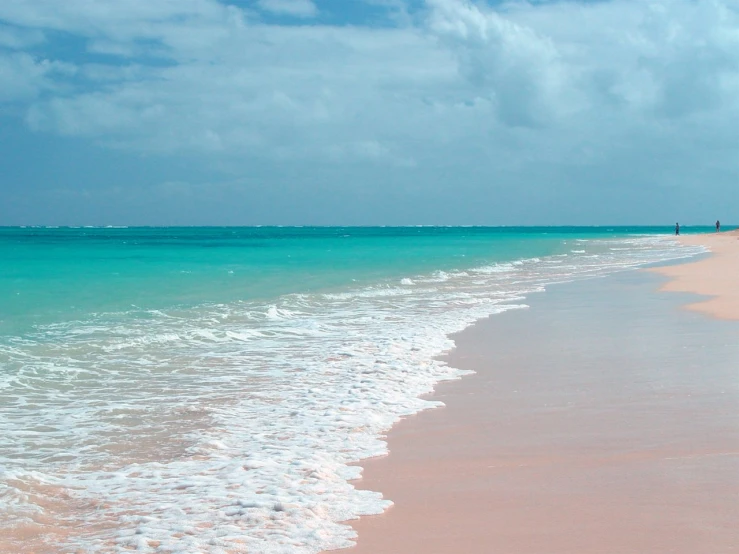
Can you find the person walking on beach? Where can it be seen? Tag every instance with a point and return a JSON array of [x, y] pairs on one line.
[[677, 228], [718, 226]]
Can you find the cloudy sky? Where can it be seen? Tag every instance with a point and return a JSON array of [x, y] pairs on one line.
[[368, 112]]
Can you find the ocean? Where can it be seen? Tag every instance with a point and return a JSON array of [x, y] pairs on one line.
[[206, 389]]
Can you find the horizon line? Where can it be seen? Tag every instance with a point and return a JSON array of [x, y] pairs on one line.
[[375, 226]]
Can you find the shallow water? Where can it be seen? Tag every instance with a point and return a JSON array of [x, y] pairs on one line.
[[203, 390]]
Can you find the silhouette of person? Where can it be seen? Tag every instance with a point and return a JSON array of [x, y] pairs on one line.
[[677, 228], [718, 226]]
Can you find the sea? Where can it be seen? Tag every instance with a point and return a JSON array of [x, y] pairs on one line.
[[209, 390]]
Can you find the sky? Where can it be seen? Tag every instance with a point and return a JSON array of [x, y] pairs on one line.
[[368, 112]]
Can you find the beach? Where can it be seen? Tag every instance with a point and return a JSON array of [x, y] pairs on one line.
[[603, 419], [714, 277], [373, 276], [223, 398]]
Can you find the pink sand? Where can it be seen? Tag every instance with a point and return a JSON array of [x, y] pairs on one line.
[[600, 422]]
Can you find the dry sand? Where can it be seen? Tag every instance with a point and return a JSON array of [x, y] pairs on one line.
[[601, 420], [716, 276]]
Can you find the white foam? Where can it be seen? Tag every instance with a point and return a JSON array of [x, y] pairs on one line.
[[231, 427], [494, 268]]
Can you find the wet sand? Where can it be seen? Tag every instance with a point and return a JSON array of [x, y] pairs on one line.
[[601, 420]]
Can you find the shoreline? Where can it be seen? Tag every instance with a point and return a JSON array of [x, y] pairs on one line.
[[457, 481], [154, 534]]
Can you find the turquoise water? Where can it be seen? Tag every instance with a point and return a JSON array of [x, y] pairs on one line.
[[205, 390], [57, 274]]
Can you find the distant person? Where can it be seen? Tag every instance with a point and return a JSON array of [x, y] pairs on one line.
[[677, 228], [718, 226]]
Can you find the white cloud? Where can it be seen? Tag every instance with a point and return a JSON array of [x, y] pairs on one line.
[[519, 69], [261, 91], [294, 8], [520, 88], [23, 77]]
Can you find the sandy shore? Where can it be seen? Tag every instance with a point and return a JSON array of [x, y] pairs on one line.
[[716, 276], [601, 420]]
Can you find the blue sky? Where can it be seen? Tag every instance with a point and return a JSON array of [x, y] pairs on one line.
[[207, 112]]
